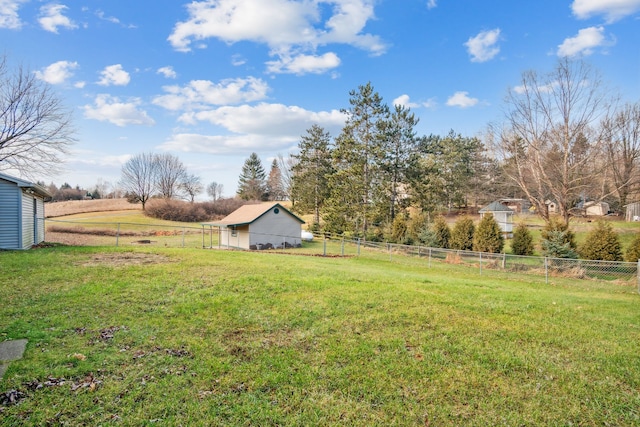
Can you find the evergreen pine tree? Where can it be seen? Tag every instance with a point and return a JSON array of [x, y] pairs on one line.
[[557, 224], [441, 232], [488, 236], [311, 172], [275, 185], [522, 243], [356, 187], [602, 243], [558, 245], [632, 253], [251, 185], [462, 234]]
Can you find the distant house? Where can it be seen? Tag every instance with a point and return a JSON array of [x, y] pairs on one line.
[[261, 226], [516, 205], [21, 213], [502, 214]]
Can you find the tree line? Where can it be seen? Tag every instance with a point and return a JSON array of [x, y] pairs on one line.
[[564, 141]]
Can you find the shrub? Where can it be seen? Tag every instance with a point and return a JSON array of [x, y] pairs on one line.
[[602, 243], [488, 236], [399, 230], [556, 245], [223, 207], [176, 210], [462, 234], [441, 233], [522, 243], [415, 227], [556, 224], [633, 251]]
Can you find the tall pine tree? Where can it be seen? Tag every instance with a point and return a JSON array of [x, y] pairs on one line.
[[355, 185], [275, 184], [251, 185], [311, 172]]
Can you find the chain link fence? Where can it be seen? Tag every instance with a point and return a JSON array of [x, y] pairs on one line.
[[205, 236]]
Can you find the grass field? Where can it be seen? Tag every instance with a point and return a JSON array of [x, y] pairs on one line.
[[156, 336]]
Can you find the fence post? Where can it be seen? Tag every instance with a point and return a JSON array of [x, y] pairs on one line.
[[118, 235], [358, 246], [481, 263], [504, 260], [429, 257], [324, 248], [342, 247], [546, 270]]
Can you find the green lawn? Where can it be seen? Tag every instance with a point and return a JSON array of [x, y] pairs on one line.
[[156, 336]]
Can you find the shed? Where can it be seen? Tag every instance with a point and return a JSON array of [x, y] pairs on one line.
[[596, 208], [261, 226], [502, 214], [632, 211], [21, 213]]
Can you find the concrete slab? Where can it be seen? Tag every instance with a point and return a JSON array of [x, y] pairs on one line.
[[12, 350]]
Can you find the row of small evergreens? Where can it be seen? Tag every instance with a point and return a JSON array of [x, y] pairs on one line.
[[557, 240]]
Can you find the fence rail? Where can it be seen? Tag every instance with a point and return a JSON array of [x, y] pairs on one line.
[[91, 233]]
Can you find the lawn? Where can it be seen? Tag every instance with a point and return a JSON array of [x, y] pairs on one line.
[[146, 336]]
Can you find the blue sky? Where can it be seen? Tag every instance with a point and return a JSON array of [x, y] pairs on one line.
[[212, 81]]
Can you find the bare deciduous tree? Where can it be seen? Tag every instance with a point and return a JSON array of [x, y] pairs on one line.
[[170, 173], [138, 177], [548, 144], [214, 190], [621, 136], [35, 127], [191, 186]]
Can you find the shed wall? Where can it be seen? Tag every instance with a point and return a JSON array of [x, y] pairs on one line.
[[10, 203], [275, 229], [28, 224]]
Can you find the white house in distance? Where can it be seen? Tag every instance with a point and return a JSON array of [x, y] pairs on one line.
[[21, 213], [261, 226], [503, 216]]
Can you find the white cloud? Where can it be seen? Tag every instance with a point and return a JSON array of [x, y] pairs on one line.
[[288, 28], [584, 42], [198, 94], [226, 144], [483, 47], [100, 14], [404, 100], [168, 72], [51, 18], [114, 75], [57, 72], [267, 119], [110, 109], [431, 4], [613, 10], [9, 17], [303, 64], [461, 99], [238, 60]]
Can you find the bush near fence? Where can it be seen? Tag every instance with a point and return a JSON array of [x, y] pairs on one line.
[[123, 234]]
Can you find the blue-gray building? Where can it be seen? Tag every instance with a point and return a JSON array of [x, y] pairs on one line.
[[21, 213]]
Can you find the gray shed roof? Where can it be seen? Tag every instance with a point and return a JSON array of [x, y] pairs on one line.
[[39, 190], [249, 213], [496, 207]]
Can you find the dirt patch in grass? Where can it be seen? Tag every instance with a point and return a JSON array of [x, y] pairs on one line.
[[124, 259]]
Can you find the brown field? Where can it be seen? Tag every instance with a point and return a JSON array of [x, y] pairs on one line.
[[71, 207]]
